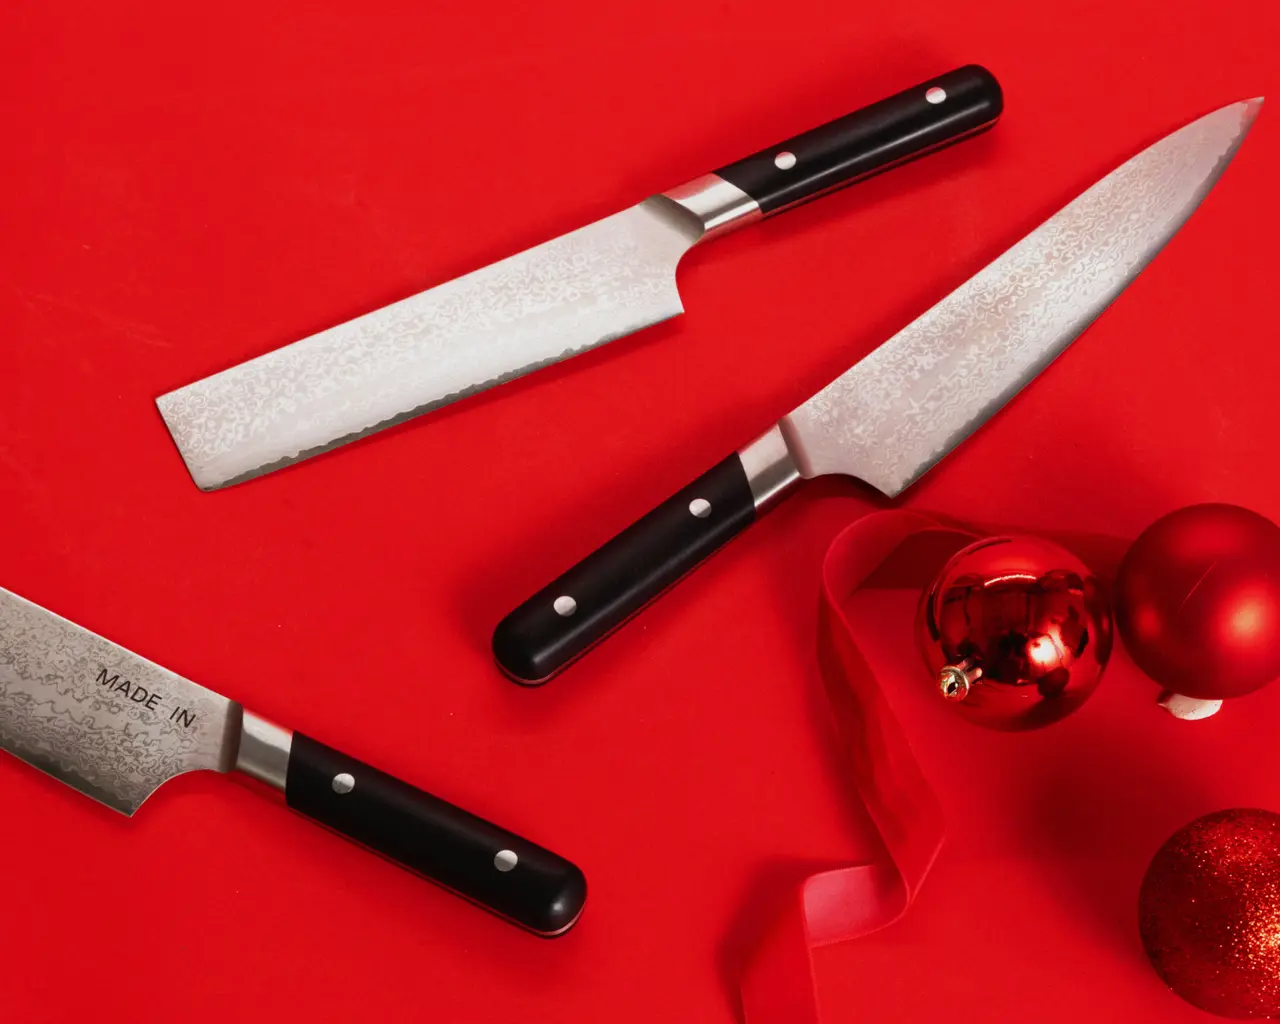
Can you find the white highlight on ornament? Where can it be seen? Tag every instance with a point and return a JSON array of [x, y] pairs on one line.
[[1189, 709], [936, 95], [700, 507], [565, 606], [505, 860], [784, 161]]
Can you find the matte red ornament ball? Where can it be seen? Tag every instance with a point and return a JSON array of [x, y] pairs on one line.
[[1198, 601], [1209, 913]]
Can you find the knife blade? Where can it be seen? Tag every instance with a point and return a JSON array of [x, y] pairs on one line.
[[570, 294], [116, 727], [895, 414]]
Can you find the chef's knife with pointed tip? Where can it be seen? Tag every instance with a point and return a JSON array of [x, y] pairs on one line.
[[892, 416], [116, 727], [570, 294]]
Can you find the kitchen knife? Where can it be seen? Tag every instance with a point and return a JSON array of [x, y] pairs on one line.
[[892, 416], [565, 296], [116, 727]]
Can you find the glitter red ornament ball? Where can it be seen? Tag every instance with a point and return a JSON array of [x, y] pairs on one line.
[[1209, 913], [1198, 601], [1016, 632]]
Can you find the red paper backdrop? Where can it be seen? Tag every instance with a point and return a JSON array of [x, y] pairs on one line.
[[183, 187]]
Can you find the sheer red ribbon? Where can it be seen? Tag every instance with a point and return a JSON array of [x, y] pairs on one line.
[[840, 905]]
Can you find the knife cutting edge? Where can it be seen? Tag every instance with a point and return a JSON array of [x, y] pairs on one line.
[[116, 727], [894, 415], [568, 295]]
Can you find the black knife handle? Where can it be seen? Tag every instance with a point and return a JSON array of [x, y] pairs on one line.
[[601, 592], [934, 114], [487, 865]]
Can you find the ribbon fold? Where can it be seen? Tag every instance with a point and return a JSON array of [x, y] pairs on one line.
[[778, 985]]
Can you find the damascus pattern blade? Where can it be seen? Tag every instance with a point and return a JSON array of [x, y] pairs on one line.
[[570, 294], [897, 412], [99, 718]]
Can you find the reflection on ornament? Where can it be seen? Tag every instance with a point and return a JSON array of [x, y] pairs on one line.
[[1016, 632]]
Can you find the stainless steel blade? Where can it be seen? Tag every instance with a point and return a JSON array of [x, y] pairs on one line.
[[916, 397], [99, 718], [573, 293]]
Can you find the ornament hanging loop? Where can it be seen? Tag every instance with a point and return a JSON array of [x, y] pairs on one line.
[[955, 681]]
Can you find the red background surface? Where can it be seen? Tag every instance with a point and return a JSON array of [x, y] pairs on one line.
[[182, 188]]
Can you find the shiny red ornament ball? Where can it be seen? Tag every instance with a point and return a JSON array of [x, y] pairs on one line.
[[1209, 913], [1198, 601], [1016, 632]]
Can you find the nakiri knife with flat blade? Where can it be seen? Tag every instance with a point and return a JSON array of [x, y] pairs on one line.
[[116, 727], [580, 290], [896, 413]]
